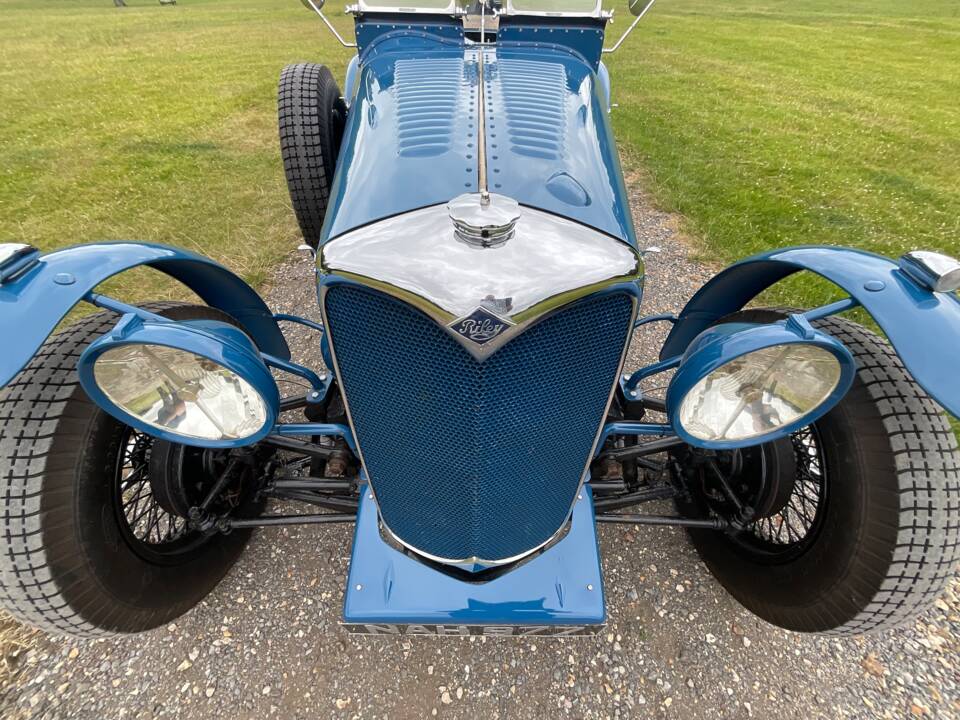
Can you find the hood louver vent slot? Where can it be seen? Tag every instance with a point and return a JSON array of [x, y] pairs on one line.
[[429, 95], [533, 96]]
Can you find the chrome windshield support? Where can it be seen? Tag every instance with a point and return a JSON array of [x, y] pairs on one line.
[[637, 19], [312, 5]]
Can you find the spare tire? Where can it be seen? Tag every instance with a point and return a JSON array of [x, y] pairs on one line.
[[311, 114]]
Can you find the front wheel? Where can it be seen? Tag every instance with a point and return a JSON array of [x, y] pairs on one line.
[[859, 528], [90, 541]]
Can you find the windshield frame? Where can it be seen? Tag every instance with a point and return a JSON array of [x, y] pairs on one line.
[[451, 8], [596, 12], [456, 8]]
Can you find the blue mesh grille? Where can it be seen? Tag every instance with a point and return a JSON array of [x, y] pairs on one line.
[[473, 459]]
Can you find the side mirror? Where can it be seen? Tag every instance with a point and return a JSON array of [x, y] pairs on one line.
[[636, 6], [317, 5]]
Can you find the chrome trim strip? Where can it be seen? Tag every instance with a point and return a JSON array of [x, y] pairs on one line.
[[459, 9], [472, 562], [638, 18], [417, 258], [321, 296], [933, 271], [482, 114], [317, 8], [606, 412], [583, 476]]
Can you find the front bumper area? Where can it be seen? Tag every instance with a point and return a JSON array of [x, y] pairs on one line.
[[558, 592]]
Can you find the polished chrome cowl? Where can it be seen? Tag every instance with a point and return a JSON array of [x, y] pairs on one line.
[[483, 294]]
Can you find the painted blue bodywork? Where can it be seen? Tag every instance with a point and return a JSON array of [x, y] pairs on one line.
[[46, 292], [318, 383], [582, 37], [632, 429], [412, 129], [406, 32], [562, 585], [311, 429], [923, 326], [549, 140], [221, 342], [410, 138], [631, 383]]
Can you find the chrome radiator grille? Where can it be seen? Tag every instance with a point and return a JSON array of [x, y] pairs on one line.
[[468, 459]]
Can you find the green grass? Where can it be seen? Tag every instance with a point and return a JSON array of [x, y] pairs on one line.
[[789, 122], [763, 123], [150, 123]]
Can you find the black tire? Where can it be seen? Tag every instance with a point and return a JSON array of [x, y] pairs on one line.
[[884, 537], [312, 115], [68, 564]]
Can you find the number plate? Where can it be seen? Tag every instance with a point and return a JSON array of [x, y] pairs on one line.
[[465, 630]]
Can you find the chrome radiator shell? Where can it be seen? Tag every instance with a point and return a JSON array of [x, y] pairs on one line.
[[564, 298]]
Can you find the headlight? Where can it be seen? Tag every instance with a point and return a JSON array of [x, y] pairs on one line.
[[742, 384], [197, 382]]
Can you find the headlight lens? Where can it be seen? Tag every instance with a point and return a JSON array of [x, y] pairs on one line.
[[178, 391], [758, 392]]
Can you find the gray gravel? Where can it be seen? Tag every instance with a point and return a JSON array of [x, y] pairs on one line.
[[267, 643]]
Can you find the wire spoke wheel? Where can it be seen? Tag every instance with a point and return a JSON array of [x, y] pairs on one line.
[[846, 526], [151, 531], [95, 543], [796, 524]]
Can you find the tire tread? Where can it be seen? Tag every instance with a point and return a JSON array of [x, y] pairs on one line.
[[924, 450], [309, 141], [34, 408]]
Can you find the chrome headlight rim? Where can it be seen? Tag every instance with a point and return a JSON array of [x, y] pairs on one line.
[[724, 343], [220, 343]]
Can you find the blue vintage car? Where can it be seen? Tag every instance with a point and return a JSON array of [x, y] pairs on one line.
[[479, 280]]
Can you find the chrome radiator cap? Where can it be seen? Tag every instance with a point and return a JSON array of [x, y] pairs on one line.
[[484, 219]]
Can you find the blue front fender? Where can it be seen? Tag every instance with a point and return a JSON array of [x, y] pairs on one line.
[[923, 326], [34, 302]]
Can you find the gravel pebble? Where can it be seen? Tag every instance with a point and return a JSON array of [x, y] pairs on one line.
[[267, 644]]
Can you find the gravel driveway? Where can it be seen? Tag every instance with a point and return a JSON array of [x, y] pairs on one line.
[[267, 643]]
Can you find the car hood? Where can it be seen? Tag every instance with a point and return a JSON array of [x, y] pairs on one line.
[[413, 135]]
